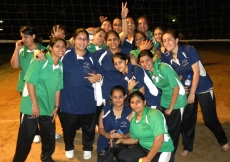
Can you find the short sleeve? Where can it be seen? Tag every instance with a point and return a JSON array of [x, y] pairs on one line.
[[33, 72]]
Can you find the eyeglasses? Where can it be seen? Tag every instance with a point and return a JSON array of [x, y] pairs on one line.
[[117, 24], [81, 39]]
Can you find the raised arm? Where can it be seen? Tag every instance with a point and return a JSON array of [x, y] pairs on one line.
[[124, 13]]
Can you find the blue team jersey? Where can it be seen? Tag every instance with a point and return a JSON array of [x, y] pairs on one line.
[[77, 96], [152, 93], [111, 76], [186, 57], [111, 122], [127, 46]]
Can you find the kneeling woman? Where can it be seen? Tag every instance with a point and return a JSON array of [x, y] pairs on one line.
[[40, 102], [113, 124], [148, 128]]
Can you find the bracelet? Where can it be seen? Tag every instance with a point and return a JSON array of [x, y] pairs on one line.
[[56, 106], [100, 77], [34, 105]]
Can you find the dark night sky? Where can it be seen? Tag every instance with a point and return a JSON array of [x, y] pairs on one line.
[[196, 19]]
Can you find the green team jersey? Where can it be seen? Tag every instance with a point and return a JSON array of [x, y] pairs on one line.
[[92, 47], [47, 79], [151, 125], [166, 79], [135, 52], [25, 56]]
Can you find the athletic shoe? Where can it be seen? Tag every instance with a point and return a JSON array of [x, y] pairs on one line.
[[56, 135], [87, 155], [37, 139], [69, 154]]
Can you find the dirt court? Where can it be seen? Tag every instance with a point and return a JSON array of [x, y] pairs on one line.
[[216, 59]]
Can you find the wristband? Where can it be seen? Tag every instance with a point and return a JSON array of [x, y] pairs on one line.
[[56, 107]]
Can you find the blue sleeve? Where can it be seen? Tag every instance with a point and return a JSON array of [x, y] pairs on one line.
[[192, 54], [139, 75]]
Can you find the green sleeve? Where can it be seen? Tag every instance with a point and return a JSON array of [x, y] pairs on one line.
[[33, 72], [169, 74], [157, 122]]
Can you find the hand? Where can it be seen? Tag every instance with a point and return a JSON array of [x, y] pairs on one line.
[[168, 111], [35, 111], [19, 44], [56, 32], [145, 159], [131, 84], [54, 114], [146, 45], [157, 53], [102, 18], [92, 78], [191, 98], [39, 55], [124, 10]]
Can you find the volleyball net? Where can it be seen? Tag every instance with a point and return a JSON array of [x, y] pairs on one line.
[[197, 20]]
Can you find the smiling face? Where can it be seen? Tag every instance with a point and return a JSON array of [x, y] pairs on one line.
[[146, 62], [118, 98], [120, 65], [137, 104], [58, 49], [131, 25], [169, 42], [117, 25], [113, 41], [157, 35], [99, 38], [81, 41], [106, 25], [142, 25], [139, 38]]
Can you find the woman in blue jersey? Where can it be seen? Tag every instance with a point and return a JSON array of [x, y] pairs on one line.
[[77, 100], [111, 77], [186, 61], [131, 29], [148, 134], [113, 124], [137, 78], [40, 102]]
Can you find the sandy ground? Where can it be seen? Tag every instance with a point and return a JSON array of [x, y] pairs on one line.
[[206, 148]]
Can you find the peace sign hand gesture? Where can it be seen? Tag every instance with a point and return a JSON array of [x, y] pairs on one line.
[[124, 11]]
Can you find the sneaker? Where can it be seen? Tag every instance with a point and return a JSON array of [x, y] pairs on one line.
[[37, 139], [69, 154], [56, 135], [87, 155]]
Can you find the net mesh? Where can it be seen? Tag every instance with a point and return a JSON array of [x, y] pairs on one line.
[[195, 19]]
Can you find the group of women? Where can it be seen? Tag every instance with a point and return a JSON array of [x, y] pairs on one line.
[[129, 82]]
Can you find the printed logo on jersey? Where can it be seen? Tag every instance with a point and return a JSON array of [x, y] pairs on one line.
[[145, 126], [184, 62], [124, 124], [86, 65]]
